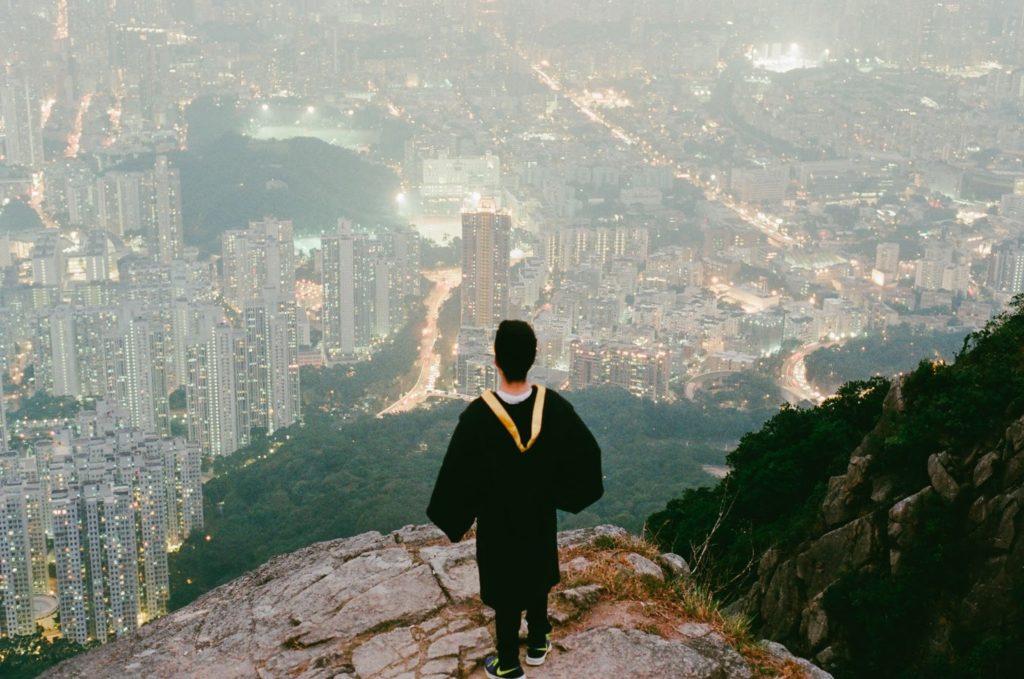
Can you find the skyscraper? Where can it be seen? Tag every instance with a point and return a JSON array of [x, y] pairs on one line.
[[486, 242], [367, 277], [118, 497], [95, 546], [21, 111], [167, 190], [272, 366], [261, 257], [338, 250], [215, 390], [15, 562], [138, 359]]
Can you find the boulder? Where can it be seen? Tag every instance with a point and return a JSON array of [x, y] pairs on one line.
[[780, 652], [582, 597], [587, 536], [705, 639], [643, 566], [674, 565], [942, 481], [985, 469]]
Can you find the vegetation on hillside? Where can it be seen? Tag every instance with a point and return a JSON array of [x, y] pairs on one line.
[[773, 494], [235, 180], [330, 479], [27, 656], [898, 349], [230, 182]]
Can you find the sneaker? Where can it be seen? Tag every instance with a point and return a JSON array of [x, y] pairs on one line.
[[491, 667], [535, 655]]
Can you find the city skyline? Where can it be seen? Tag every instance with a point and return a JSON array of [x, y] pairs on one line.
[[218, 217]]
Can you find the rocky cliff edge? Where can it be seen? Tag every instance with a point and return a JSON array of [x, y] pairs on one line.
[[406, 605]]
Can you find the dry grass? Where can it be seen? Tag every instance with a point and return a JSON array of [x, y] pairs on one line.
[[666, 604]]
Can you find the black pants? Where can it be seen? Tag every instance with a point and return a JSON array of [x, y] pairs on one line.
[[506, 623]]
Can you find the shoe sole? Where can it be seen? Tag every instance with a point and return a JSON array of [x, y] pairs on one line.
[[536, 662]]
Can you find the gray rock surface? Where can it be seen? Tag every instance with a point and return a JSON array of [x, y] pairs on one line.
[[396, 606], [870, 522], [629, 653]]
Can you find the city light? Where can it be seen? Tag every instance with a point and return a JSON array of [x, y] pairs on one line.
[[228, 229]]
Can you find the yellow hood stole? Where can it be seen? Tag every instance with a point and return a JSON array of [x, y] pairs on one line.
[[499, 411]]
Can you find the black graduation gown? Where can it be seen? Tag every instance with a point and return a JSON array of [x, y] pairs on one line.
[[513, 495]]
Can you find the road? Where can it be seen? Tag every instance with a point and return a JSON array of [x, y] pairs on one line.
[[759, 221], [794, 373], [690, 390], [444, 280]]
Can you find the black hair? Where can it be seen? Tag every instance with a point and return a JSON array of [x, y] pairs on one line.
[[515, 348]]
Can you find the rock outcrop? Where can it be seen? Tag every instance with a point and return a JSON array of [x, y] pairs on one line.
[[405, 605], [867, 526]]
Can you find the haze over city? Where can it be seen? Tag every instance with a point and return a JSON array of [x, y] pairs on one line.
[[226, 222]]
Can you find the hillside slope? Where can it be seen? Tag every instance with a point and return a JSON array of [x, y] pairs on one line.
[[881, 533], [406, 605]]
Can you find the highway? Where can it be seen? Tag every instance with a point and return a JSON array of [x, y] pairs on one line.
[[794, 373], [429, 361]]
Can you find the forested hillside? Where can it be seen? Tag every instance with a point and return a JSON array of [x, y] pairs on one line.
[[880, 532], [897, 349], [329, 479]]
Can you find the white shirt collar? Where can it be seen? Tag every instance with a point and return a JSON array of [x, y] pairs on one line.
[[513, 399]]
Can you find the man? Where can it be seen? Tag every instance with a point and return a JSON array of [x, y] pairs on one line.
[[515, 457]]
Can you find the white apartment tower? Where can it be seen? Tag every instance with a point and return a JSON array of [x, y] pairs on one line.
[[94, 541], [216, 390], [15, 563]]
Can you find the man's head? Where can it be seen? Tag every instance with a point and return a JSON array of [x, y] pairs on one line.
[[515, 348]]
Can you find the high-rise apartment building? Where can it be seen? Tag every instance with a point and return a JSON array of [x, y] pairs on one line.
[[216, 392], [15, 561], [24, 131], [116, 498], [138, 356], [96, 552], [643, 371], [1006, 270], [169, 228], [887, 258], [121, 202], [143, 203], [272, 366], [339, 285], [486, 243], [256, 260], [242, 378], [367, 278]]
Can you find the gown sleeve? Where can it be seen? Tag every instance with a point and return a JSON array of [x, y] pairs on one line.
[[582, 481], [453, 504]]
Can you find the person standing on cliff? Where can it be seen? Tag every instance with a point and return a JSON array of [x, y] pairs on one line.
[[516, 455]]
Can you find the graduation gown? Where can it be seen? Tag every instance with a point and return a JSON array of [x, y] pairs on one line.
[[513, 495]]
